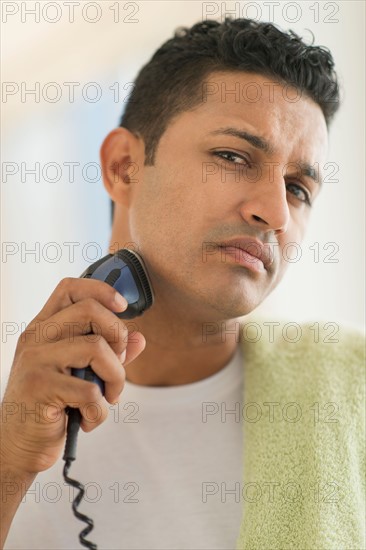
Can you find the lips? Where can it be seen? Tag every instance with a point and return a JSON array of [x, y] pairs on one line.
[[252, 247]]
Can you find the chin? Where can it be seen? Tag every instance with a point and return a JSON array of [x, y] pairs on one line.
[[233, 306]]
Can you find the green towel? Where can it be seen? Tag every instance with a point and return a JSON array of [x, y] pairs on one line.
[[304, 438]]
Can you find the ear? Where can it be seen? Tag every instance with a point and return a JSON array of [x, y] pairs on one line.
[[122, 156]]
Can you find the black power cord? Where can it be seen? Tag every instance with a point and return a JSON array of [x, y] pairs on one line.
[[73, 425], [75, 504]]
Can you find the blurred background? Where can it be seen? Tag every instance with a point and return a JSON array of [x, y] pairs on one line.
[[67, 70]]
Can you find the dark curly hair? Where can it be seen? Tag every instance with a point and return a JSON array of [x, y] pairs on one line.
[[170, 82]]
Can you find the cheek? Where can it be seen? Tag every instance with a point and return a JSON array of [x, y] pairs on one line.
[[161, 216]]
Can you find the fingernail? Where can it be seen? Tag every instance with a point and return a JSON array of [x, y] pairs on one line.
[[123, 357], [120, 301]]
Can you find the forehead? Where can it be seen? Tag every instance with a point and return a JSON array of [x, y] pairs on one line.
[[282, 115]]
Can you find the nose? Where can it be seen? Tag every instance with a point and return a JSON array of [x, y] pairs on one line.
[[265, 205]]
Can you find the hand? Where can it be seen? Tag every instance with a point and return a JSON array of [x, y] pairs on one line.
[[40, 384]]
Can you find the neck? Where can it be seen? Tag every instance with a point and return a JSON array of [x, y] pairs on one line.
[[180, 352]]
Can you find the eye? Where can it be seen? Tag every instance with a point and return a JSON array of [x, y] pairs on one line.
[[300, 193], [230, 156]]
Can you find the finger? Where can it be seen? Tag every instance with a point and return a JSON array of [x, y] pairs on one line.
[[135, 345], [46, 393], [71, 290], [78, 354], [86, 317], [75, 393]]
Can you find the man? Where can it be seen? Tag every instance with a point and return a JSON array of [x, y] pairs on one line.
[[214, 170]]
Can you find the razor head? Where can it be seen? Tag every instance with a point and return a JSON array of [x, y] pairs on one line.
[[125, 271]]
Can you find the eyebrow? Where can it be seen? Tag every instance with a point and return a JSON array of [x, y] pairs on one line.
[[264, 145], [256, 141]]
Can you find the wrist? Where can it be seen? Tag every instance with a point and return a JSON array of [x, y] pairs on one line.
[[14, 484], [11, 471]]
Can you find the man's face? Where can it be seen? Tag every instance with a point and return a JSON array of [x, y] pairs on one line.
[[214, 187]]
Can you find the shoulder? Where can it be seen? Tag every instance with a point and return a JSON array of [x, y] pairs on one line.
[[315, 337], [314, 350]]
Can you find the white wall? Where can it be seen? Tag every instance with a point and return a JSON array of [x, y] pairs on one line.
[[64, 131]]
